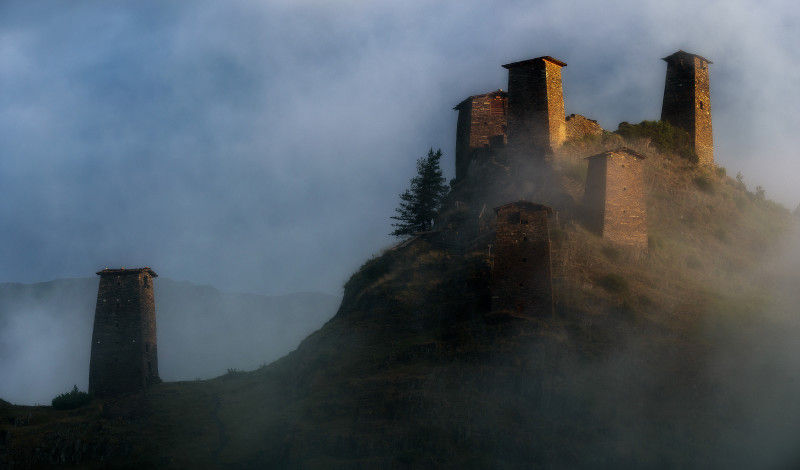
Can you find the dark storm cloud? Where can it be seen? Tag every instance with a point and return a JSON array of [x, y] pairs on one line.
[[260, 146]]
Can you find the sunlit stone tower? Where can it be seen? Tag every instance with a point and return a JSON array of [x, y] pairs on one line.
[[480, 118], [615, 197], [687, 101], [124, 353], [536, 121]]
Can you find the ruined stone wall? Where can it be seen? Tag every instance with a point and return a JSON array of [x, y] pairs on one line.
[[536, 122], [687, 101], [578, 126], [480, 118], [124, 354], [615, 198], [521, 272]]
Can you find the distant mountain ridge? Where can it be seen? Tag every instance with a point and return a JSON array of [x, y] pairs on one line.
[[45, 332]]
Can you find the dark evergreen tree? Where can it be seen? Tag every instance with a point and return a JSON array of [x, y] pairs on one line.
[[420, 203]]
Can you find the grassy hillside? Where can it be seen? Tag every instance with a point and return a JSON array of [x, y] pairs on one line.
[[663, 360]]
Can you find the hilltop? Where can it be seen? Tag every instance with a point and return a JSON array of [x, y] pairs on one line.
[[630, 369], [583, 299]]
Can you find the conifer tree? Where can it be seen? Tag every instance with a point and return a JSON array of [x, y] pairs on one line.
[[420, 203]]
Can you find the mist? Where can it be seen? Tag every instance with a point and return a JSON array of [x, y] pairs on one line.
[[739, 410], [46, 333], [246, 145], [261, 147]]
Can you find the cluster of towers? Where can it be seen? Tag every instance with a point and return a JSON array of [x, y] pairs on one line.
[[529, 118], [528, 122]]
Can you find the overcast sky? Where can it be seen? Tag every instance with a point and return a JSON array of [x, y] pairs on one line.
[[261, 146]]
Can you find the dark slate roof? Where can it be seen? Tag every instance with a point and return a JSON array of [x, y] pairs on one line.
[[531, 61], [617, 150], [499, 92], [107, 271], [532, 206], [682, 53]]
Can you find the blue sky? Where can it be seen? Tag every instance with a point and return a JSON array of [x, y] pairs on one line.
[[261, 146]]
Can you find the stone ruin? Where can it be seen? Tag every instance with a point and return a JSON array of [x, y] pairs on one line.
[[614, 197], [529, 118], [480, 118], [521, 272], [500, 131]]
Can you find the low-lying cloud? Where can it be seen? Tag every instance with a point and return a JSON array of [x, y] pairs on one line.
[[261, 146]]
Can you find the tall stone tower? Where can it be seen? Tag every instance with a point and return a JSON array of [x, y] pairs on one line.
[[124, 353], [614, 197], [687, 101], [536, 121], [480, 118], [521, 272]]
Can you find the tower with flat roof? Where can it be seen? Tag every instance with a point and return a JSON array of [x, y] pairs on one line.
[[536, 121], [124, 355], [615, 197]]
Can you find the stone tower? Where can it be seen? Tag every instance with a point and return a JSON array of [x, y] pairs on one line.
[[124, 353], [687, 101], [521, 272], [614, 197], [480, 118], [536, 121]]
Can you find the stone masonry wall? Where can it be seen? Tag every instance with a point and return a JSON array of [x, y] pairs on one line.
[[124, 354], [480, 118], [521, 272], [687, 101], [703, 136], [578, 126], [615, 197], [677, 108], [555, 105], [536, 122]]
